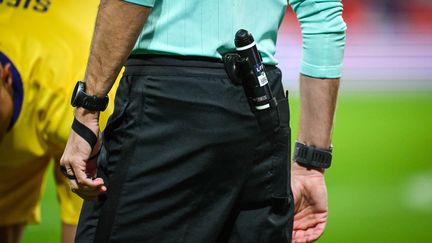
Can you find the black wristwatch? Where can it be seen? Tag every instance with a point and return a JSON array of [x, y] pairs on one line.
[[89, 102], [312, 157]]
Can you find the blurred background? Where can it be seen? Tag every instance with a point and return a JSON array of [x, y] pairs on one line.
[[380, 184], [389, 45]]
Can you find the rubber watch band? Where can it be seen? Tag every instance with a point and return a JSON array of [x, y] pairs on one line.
[[90, 102], [84, 132], [312, 157], [63, 170]]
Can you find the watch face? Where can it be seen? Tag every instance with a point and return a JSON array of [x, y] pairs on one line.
[[79, 87], [89, 102]]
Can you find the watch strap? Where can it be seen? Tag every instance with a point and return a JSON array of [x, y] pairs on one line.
[[84, 132], [63, 170], [89, 102], [312, 157], [94, 103]]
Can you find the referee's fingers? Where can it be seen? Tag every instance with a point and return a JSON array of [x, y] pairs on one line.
[[76, 187], [84, 192], [73, 185], [79, 170]]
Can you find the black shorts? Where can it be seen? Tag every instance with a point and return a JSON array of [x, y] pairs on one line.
[[186, 160]]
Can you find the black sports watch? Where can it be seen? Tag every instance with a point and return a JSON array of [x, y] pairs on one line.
[[312, 157], [89, 102]]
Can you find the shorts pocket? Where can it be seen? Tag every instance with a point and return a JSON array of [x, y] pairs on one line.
[[280, 205], [268, 119], [114, 120], [280, 164], [284, 112], [120, 106], [112, 132]]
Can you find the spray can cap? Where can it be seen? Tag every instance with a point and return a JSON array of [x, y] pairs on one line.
[[243, 38]]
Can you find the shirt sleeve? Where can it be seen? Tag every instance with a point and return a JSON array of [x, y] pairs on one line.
[[146, 3], [323, 33]]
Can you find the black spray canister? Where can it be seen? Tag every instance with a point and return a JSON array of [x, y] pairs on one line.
[[252, 72]]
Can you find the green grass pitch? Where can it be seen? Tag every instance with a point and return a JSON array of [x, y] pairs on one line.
[[380, 184]]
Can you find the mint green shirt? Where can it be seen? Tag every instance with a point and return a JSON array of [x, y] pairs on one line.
[[207, 28]]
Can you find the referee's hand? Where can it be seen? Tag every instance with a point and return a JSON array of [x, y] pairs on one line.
[[310, 199], [75, 159]]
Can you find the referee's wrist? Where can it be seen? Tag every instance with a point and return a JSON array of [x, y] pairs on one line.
[[300, 169], [86, 116], [320, 143]]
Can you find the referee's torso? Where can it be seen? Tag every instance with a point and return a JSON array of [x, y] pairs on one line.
[[207, 27]]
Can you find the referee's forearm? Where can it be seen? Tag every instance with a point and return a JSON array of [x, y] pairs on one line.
[[317, 108], [323, 34], [118, 25]]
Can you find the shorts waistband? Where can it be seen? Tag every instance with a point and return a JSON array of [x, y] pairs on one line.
[[176, 65], [171, 60]]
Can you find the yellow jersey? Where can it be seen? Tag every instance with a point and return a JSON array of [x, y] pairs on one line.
[[47, 43]]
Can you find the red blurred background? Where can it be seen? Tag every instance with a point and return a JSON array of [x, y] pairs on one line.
[[389, 45]]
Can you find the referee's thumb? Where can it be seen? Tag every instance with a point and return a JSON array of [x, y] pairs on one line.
[[99, 182]]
